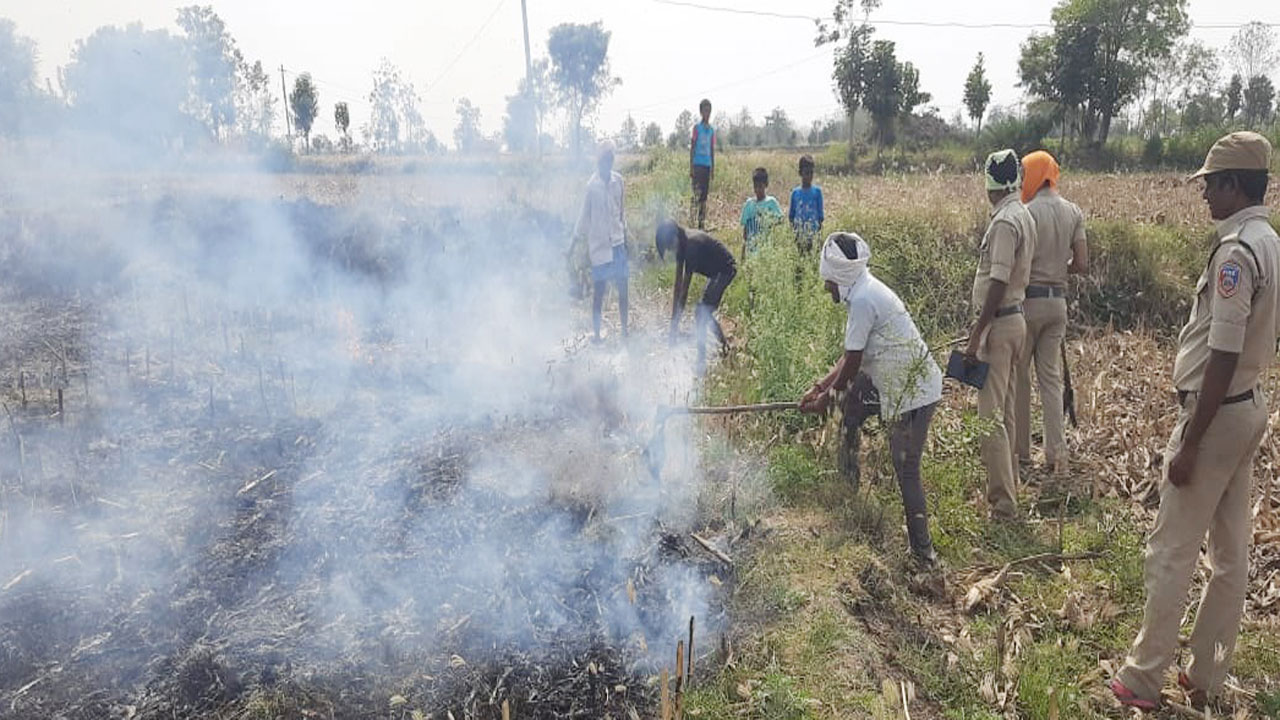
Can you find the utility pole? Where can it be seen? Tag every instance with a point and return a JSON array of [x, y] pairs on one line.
[[528, 76], [528, 59], [288, 123]]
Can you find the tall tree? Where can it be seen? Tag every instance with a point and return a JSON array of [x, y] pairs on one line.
[[580, 71], [850, 68], [1101, 50], [1253, 50], [977, 92], [395, 122], [629, 134], [255, 103], [682, 131], [892, 90], [1234, 96], [305, 103], [778, 129], [522, 125], [17, 76], [652, 135], [214, 61], [1259, 95], [467, 136], [342, 121], [130, 84]]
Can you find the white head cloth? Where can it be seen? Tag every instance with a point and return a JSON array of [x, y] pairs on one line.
[[834, 266]]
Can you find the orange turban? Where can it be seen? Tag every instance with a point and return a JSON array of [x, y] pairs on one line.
[[1038, 168]]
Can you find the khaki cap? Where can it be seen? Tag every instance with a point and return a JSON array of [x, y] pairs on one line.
[[1243, 150]]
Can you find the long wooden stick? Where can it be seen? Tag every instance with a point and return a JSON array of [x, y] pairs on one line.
[[666, 694], [688, 673], [731, 409], [679, 709]]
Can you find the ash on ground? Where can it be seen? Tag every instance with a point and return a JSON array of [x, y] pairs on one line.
[[313, 461]]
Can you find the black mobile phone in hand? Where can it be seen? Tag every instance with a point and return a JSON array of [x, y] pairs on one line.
[[967, 371]]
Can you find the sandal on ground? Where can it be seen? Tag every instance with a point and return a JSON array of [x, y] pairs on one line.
[[1126, 697]]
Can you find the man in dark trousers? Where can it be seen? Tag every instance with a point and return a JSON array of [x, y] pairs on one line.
[[697, 252]]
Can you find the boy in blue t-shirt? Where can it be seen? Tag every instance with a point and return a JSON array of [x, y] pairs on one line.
[[702, 160], [805, 212], [759, 213]]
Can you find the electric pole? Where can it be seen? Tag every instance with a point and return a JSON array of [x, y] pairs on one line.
[[288, 123], [528, 60], [528, 77]]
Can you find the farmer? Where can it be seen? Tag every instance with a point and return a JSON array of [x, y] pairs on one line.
[[702, 160], [1004, 266], [883, 342], [1060, 249], [697, 252], [1228, 342], [604, 228]]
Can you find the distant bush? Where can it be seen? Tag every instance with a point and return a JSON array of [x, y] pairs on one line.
[[1022, 134], [1140, 275]]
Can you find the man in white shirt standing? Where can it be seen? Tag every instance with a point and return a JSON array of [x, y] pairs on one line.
[[882, 341], [603, 225]]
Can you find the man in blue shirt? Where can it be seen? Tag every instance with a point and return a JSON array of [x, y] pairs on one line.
[[805, 211], [702, 160]]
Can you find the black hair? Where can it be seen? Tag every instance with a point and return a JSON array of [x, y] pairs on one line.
[[806, 161], [1005, 171], [760, 175], [704, 104], [666, 236], [1252, 183], [848, 245]]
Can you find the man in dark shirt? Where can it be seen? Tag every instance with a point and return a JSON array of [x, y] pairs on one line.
[[697, 252]]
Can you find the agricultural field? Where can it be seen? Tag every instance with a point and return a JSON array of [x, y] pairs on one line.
[[327, 444]]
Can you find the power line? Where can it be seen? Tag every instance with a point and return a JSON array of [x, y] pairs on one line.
[[685, 97], [467, 46], [915, 23]]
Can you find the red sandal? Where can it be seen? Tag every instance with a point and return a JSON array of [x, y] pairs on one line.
[[1126, 697], [1196, 697]]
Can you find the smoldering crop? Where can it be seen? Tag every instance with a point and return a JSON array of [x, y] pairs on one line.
[[339, 455]]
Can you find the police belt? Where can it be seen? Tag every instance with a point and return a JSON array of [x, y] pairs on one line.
[[1045, 291], [1015, 309], [1242, 397]]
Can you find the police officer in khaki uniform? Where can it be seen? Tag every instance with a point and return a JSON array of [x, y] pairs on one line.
[[999, 288], [1060, 249], [1224, 347]]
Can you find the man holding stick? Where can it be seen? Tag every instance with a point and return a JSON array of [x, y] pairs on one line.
[[882, 341]]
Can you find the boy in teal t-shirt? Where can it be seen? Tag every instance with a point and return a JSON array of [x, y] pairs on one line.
[[759, 213]]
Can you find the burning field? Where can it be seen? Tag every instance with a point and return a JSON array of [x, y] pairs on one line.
[[283, 458]]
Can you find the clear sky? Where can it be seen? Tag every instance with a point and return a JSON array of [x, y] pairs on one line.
[[667, 56]]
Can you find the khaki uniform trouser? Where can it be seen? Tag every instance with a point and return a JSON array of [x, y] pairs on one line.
[[1217, 501], [1046, 329], [1000, 349]]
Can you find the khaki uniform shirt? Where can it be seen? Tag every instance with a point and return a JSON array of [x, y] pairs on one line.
[[1236, 304], [1006, 252], [1059, 231]]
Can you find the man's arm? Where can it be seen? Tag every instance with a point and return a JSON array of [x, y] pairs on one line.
[[841, 375], [683, 277], [1079, 252], [990, 304], [1217, 378], [693, 144]]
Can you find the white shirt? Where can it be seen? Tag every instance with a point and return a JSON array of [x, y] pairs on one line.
[[894, 355], [602, 222]]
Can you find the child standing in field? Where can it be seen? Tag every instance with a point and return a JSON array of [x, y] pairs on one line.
[[702, 160], [760, 213], [805, 211]]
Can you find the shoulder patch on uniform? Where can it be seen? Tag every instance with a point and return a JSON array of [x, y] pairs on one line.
[[1228, 278]]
